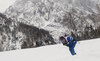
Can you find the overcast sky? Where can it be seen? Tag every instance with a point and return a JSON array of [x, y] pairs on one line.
[[4, 4]]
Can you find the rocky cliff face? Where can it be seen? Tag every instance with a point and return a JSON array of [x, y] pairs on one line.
[[59, 17], [15, 35]]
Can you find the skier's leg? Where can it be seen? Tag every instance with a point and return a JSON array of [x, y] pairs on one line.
[[71, 49], [73, 46]]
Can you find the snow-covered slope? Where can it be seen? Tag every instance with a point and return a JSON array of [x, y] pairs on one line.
[[86, 51], [56, 16]]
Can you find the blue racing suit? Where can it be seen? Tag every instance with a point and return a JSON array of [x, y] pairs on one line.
[[71, 42]]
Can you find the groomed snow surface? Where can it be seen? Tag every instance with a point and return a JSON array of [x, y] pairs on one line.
[[88, 50]]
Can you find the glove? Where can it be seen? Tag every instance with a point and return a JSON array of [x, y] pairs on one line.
[[67, 42], [64, 44]]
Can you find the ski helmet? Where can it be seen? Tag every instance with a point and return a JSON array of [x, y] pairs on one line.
[[61, 38]]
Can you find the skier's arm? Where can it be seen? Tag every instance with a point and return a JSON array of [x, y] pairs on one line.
[[70, 41]]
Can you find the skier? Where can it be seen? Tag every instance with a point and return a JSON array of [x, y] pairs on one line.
[[69, 42]]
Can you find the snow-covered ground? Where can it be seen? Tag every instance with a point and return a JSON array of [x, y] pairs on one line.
[[88, 50]]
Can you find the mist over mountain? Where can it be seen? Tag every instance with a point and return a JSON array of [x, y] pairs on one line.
[[59, 17]]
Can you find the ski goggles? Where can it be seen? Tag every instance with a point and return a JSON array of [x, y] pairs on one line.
[[60, 40]]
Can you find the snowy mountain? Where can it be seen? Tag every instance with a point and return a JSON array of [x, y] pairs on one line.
[[15, 35], [86, 51], [59, 17]]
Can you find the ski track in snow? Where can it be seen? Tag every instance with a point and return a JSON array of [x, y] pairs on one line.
[[86, 51]]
